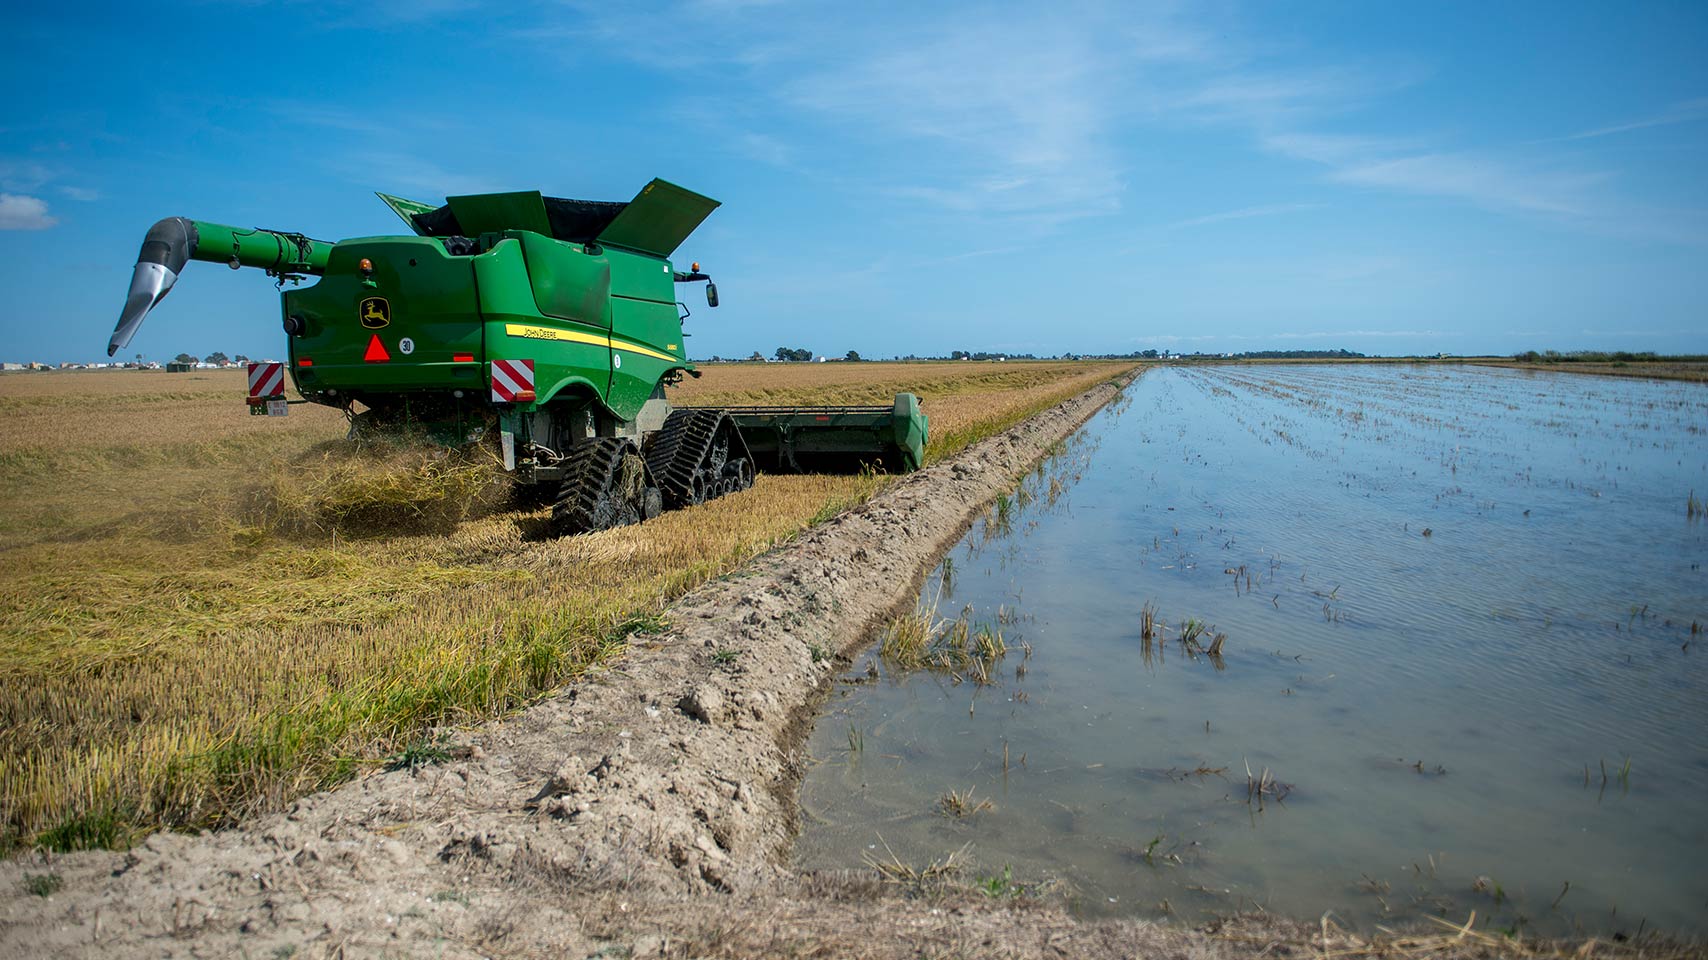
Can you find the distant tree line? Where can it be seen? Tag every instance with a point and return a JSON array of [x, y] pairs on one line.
[[1301, 354], [1601, 356], [218, 356]]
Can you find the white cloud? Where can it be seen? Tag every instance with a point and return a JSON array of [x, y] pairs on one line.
[[1484, 178], [23, 175], [411, 174], [1010, 111], [1288, 335], [1033, 115], [1267, 210], [20, 212], [1017, 108], [765, 148], [1677, 113]]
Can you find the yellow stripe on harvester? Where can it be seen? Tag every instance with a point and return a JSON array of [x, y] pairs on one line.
[[575, 336], [553, 333]]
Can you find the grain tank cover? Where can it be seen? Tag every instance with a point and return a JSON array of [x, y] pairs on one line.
[[656, 221]]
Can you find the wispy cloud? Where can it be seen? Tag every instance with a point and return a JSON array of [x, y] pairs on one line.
[[765, 148], [1266, 98], [1035, 116], [24, 176], [400, 171], [20, 212], [1012, 112], [1016, 106], [1683, 112], [1484, 178], [1481, 179], [1267, 210], [1288, 335]]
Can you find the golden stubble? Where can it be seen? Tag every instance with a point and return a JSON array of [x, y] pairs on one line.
[[171, 654]]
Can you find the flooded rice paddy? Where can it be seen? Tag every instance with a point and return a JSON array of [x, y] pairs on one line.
[[1464, 660]]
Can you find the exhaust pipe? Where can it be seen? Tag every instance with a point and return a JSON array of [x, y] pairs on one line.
[[164, 252]]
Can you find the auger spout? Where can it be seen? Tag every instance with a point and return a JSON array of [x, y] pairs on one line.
[[175, 241]]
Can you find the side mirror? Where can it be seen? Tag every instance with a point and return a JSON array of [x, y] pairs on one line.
[[711, 294]]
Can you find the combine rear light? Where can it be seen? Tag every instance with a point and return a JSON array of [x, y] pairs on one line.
[[462, 358], [304, 362]]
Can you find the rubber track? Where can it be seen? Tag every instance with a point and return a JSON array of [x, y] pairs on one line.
[[678, 450], [586, 500], [681, 447]]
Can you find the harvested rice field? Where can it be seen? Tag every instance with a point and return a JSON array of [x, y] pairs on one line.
[[204, 613]]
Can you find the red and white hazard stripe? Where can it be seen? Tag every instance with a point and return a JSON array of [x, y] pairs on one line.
[[512, 381], [266, 381]]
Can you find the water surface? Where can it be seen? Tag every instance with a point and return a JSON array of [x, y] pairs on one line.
[[1452, 599]]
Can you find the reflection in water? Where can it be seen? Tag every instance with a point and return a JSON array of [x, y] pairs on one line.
[[1456, 616]]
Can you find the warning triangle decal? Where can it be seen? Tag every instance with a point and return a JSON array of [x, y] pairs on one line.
[[376, 351]]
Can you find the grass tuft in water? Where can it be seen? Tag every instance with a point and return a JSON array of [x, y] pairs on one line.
[[916, 880], [960, 804], [1262, 785], [919, 639], [1000, 886], [1148, 622]]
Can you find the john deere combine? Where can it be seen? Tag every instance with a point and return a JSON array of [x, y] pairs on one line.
[[551, 323]]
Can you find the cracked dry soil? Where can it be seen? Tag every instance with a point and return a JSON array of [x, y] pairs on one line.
[[646, 810]]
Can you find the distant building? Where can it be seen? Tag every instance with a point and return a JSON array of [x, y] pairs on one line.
[[176, 366]]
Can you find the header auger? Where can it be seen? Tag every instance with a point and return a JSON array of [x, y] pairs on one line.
[[550, 323]]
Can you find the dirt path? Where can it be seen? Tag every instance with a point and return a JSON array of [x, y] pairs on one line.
[[644, 811]]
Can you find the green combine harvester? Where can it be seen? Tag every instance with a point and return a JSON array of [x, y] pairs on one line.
[[552, 324]]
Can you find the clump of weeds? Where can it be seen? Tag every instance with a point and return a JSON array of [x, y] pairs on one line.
[[960, 804], [916, 880], [920, 640], [424, 752], [1193, 636], [1262, 785], [43, 884], [1000, 886]]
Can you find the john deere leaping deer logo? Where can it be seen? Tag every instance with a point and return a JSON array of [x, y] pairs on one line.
[[374, 313]]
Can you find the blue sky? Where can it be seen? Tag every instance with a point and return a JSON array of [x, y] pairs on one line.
[[907, 178]]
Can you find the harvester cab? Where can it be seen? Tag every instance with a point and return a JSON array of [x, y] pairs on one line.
[[549, 325]]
